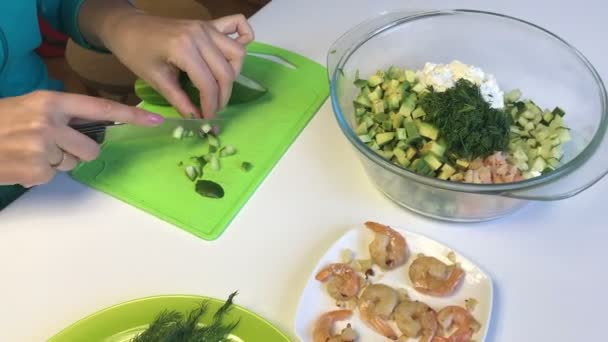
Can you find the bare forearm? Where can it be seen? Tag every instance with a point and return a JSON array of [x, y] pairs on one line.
[[99, 18]]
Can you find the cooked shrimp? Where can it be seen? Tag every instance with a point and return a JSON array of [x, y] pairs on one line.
[[342, 281], [455, 316], [376, 305], [414, 318], [322, 331], [389, 248], [433, 277]]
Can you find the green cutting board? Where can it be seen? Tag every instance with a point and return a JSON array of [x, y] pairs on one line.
[[146, 174]]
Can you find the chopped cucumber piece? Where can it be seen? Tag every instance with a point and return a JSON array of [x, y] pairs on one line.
[[446, 171], [410, 153], [359, 83], [192, 172], [395, 73], [397, 120], [418, 113], [394, 100], [386, 154], [361, 129], [375, 80], [418, 88], [462, 163], [246, 166], [563, 135], [360, 111], [538, 165], [365, 138], [363, 101], [401, 157], [383, 138], [428, 130], [548, 117], [434, 147], [401, 134], [432, 161], [227, 151], [214, 163], [412, 131], [553, 163], [558, 112], [178, 132], [410, 76], [512, 96], [206, 128], [378, 106]]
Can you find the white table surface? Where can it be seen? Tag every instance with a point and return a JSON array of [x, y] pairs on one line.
[[67, 251]]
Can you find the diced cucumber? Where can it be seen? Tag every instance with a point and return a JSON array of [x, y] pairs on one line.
[[412, 131], [538, 165], [557, 152], [386, 154], [397, 120], [553, 163], [446, 171], [462, 163], [401, 157], [375, 95], [410, 153], [395, 73], [383, 138], [418, 113], [512, 96], [434, 147], [365, 138], [378, 106], [522, 121], [428, 130], [564, 135], [408, 106], [402, 144], [528, 114], [361, 128], [394, 101], [410, 76], [401, 134], [531, 142], [432, 161], [457, 177], [548, 117], [359, 111], [375, 80], [363, 101], [418, 88], [558, 112], [178, 132]]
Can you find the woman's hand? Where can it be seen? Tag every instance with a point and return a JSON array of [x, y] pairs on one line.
[[157, 48], [36, 141]]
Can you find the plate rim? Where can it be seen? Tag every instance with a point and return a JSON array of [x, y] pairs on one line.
[[165, 296], [361, 226]]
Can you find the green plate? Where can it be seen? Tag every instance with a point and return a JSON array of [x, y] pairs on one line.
[[120, 323]]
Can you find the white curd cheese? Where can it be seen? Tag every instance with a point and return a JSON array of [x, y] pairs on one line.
[[444, 76]]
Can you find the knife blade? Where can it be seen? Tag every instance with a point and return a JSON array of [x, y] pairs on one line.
[[99, 131]]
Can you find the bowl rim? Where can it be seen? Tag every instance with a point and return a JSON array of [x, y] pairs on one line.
[[499, 189]]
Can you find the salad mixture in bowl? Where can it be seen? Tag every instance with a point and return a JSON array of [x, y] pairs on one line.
[[453, 122], [467, 115]]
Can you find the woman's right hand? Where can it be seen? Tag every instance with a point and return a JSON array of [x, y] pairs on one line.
[[36, 139]]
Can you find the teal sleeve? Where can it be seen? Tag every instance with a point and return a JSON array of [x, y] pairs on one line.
[[9, 193], [63, 15]]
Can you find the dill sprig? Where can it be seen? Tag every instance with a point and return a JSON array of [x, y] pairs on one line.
[[173, 326], [470, 127]]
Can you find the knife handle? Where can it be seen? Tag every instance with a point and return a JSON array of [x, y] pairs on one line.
[[95, 130]]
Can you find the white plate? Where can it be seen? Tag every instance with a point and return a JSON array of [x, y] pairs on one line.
[[315, 300]]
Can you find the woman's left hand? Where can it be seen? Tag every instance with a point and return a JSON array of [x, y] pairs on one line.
[[156, 49]]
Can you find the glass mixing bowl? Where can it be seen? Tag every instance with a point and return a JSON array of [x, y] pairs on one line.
[[520, 55]]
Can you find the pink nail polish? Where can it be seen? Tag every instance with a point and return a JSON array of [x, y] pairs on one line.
[[154, 119]]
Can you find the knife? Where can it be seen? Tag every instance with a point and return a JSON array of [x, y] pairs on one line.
[[98, 130]]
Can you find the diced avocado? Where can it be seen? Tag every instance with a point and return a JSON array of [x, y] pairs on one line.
[[538, 165], [462, 163], [418, 113], [512, 96], [365, 138], [383, 138], [410, 76], [432, 161], [428, 130], [375, 80], [363, 101], [446, 171], [410, 153], [378, 106], [401, 134]]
